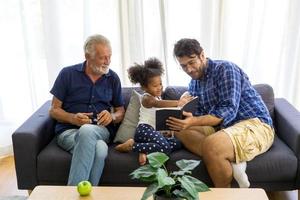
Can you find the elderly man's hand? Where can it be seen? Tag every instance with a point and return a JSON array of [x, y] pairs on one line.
[[80, 119], [104, 118]]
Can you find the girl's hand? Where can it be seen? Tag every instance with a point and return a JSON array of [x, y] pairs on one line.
[[184, 99], [180, 124]]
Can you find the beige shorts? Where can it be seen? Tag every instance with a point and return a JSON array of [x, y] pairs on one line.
[[250, 138]]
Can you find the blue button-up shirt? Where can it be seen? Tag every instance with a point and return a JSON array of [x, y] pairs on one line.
[[226, 92], [79, 94]]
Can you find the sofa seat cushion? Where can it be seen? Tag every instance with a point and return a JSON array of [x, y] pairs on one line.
[[117, 168], [53, 164], [272, 165]]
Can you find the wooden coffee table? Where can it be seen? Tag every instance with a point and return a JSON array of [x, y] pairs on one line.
[[135, 193]]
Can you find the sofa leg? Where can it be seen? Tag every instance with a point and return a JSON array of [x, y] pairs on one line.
[[29, 192]]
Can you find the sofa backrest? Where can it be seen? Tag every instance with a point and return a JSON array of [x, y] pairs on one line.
[[174, 92]]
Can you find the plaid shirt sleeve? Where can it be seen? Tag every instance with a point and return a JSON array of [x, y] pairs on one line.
[[229, 93]]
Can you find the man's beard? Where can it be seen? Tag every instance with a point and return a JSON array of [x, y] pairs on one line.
[[100, 70]]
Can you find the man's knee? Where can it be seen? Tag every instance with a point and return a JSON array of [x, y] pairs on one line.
[[101, 149], [86, 129], [91, 131]]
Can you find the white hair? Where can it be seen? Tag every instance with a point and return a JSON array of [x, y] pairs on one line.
[[92, 40]]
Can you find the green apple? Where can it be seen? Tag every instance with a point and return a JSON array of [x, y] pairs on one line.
[[84, 188]]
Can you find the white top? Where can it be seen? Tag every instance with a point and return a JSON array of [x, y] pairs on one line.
[[147, 115]]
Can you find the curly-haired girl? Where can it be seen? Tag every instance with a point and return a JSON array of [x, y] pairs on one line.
[[147, 139]]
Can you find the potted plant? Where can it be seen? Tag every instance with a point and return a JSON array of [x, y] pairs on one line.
[[169, 185]]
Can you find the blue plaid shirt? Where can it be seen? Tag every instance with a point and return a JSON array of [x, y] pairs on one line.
[[226, 92]]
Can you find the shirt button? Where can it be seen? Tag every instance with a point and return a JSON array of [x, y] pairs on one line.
[[93, 96], [90, 106]]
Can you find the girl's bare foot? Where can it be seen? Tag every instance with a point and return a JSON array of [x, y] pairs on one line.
[[126, 146], [142, 158]]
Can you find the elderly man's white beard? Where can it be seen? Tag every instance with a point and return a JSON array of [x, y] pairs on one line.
[[100, 70]]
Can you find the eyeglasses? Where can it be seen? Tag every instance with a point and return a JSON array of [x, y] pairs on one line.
[[191, 62]]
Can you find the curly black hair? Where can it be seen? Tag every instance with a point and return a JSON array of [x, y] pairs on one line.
[[141, 74], [187, 47]]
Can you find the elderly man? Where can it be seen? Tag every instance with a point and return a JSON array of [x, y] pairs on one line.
[[86, 104]]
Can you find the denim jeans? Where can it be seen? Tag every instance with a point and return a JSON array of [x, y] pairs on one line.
[[88, 144]]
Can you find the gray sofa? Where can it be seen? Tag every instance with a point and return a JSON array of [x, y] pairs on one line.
[[40, 161]]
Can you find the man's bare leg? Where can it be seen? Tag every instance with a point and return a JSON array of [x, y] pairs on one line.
[[192, 139], [218, 153]]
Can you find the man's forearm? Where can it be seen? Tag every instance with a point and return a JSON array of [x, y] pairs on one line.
[[206, 120], [61, 115], [118, 115]]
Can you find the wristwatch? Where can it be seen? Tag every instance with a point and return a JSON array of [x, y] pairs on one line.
[[113, 116]]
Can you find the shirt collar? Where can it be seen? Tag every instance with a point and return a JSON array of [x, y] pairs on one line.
[[207, 69], [82, 67]]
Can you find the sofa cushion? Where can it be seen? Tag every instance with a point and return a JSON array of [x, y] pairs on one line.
[[53, 165], [271, 167], [173, 92], [131, 119], [126, 94], [267, 95]]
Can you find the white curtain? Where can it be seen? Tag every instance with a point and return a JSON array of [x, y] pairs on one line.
[[39, 37]]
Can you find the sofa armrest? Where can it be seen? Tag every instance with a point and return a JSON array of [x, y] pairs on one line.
[[28, 140], [287, 124]]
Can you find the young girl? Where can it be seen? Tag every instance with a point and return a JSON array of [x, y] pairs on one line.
[[147, 139]]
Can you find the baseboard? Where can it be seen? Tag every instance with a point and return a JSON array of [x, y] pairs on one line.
[[6, 151]]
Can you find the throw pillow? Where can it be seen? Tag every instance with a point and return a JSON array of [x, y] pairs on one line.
[[131, 119]]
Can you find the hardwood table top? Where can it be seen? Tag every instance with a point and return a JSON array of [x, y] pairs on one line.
[[135, 193]]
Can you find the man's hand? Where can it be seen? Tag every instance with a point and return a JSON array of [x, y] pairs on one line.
[[180, 124], [167, 133], [80, 119], [104, 118]]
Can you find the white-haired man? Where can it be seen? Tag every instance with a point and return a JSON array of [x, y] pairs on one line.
[[83, 97]]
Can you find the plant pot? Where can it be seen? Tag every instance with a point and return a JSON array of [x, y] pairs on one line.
[[161, 196]]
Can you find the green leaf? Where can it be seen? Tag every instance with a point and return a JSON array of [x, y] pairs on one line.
[[163, 178], [149, 179], [157, 159], [181, 173], [199, 185], [142, 172], [150, 190], [186, 165], [188, 186]]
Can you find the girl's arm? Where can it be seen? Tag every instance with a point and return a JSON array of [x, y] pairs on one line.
[[150, 101]]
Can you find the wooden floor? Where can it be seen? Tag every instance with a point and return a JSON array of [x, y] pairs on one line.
[[8, 180], [8, 183]]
